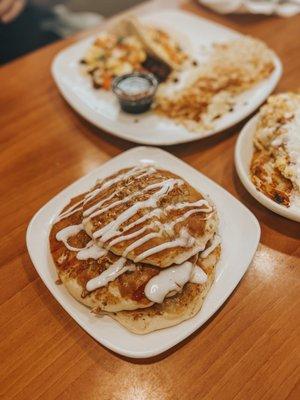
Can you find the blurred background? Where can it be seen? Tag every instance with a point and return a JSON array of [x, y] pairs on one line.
[[28, 25]]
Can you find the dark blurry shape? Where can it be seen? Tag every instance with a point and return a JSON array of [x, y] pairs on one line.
[[157, 67], [44, 21], [24, 34], [68, 22], [107, 8], [10, 9]]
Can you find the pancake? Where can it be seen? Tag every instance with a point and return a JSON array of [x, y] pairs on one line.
[[173, 310], [149, 215], [144, 214], [82, 271], [124, 293]]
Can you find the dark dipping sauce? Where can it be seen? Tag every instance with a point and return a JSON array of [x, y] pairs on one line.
[[135, 91]]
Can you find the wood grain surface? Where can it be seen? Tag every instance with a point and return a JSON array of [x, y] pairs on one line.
[[248, 350]]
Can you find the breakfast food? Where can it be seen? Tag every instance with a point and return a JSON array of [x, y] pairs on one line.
[[174, 309], [131, 47], [230, 69], [275, 166], [111, 56], [140, 246], [78, 269], [148, 218], [157, 43], [195, 90]]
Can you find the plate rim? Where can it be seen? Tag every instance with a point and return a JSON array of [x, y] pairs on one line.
[[243, 173], [113, 130], [86, 326]]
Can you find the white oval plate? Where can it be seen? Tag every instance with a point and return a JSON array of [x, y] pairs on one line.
[[243, 154], [101, 108], [236, 223]]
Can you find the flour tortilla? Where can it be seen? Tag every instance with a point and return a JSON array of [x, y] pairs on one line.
[[132, 26]]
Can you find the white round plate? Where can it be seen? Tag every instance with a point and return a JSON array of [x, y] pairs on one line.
[[101, 108], [243, 154]]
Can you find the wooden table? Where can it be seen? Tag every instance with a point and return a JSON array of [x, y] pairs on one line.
[[248, 350]]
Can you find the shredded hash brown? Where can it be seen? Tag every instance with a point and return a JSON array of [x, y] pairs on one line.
[[232, 68]]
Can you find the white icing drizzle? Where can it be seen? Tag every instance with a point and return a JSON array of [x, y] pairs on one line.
[[173, 279], [132, 235], [64, 234], [129, 197], [153, 213], [110, 274], [77, 206], [198, 203], [92, 251], [168, 280], [71, 210], [170, 226], [184, 240], [214, 243], [89, 196], [112, 229], [198, 275], [132, 172], [138, 172], [139, 242], [109, 230], [92, 209]]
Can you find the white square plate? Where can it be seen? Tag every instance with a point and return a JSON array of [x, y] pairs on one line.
[[236, 224], [101, 108]]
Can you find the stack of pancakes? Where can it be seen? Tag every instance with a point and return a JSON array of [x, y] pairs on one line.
[[140, 246]]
